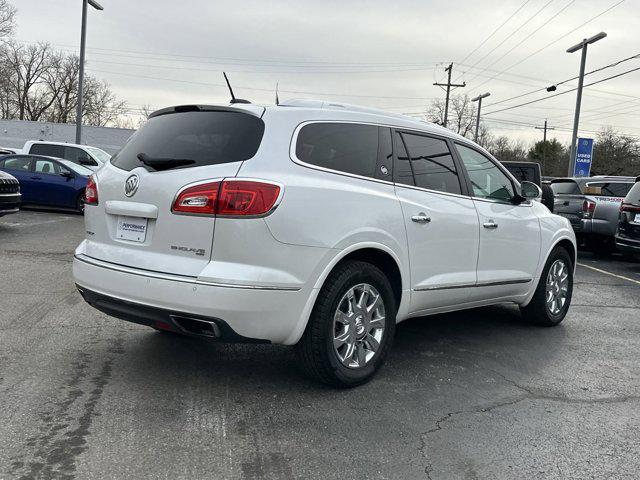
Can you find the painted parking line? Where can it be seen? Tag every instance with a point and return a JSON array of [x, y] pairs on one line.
[[609, 273]]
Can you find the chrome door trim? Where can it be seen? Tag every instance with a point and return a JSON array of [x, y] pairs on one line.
[[473, 285]]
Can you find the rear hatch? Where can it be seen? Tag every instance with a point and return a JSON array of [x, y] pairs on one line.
[[133, 224], [568, 200]]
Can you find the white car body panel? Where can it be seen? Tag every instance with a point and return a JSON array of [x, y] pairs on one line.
[[262, 275]]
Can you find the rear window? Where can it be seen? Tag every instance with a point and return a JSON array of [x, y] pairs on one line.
[[47, 150], [634, 194], [346, 147], [565, 188], [206, 137], [522, 173], [609, 189]]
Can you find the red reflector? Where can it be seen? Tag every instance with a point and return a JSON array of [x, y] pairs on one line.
[[588, 207], [91, 191], [228, 198]]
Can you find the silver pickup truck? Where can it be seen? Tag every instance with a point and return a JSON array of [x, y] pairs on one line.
[[592, 205]]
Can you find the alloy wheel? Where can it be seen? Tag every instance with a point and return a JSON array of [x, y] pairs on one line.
[[358, 325]]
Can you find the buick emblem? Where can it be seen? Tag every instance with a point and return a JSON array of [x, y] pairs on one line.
[[131, 185]]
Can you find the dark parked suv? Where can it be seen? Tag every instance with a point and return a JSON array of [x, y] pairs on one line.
[[628, 233], [9, 194]]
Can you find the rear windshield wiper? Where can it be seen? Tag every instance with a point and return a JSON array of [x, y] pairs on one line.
[[164, 163]]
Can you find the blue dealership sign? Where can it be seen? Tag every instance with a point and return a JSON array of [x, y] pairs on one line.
[[584, 155]]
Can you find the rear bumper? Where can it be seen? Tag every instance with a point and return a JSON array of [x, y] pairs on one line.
[[241, 313], [9, 203], [627, 245]]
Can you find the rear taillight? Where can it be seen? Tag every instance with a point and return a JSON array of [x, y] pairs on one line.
[[91, 191], [230, 198], [588, 207], [627, 207]]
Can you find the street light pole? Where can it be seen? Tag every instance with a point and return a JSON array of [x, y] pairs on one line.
[[479, 100], [576, 119], [83, 35]]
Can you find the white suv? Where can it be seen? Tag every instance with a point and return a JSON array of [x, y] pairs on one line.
[[316, 225]]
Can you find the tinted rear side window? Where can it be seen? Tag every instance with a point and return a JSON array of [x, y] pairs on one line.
[[208, 138], [48, 150], [565, 188], [346, 147], [431, 163], [612, 189], [522, 174]]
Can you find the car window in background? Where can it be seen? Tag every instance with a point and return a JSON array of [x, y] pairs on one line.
[[612, 189], [47, 166], [346, 147], [523, 174], [77, 168], [634, 194], [487, 180], [101, 155], [47, 149], [565, 188], [20, 163], [432, 165]]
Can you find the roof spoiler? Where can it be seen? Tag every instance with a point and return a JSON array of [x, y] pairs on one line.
[[255, 110]]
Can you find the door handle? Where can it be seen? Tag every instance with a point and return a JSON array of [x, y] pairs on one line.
[[421, 218], [490, 225]]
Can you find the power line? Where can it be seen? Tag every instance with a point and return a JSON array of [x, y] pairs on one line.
[[554, 41], [614, 64], [563, 93], [260, 89], [512, 33], [494, 32], [544, 24]]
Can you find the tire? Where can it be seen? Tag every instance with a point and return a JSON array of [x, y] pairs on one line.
[[538, 311], [316, 351]]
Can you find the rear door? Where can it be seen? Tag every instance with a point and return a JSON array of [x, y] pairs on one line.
[[133, 223], [440, 220], [20, 167], [509, 233], [52, 186], [568, 200]]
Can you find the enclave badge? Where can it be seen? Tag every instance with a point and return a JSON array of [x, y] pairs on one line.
[[131, 185]]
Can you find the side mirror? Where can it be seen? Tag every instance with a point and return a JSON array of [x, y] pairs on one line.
[[87, 161], [66, 174], [530, 191]]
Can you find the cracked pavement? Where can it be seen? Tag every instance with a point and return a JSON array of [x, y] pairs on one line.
[[475, 394]]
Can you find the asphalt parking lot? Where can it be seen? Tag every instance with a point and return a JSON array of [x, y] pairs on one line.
[[477, 394]]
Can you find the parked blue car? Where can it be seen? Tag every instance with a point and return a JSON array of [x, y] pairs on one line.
[[48, 181]]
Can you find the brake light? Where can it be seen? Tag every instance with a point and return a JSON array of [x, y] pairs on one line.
[[231, 198], [627, 207], [91, 191], [588, 207]]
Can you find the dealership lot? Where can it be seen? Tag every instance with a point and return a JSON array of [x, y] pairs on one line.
[[476, 394]]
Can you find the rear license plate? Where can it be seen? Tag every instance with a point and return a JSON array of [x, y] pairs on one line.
[[133, 229]]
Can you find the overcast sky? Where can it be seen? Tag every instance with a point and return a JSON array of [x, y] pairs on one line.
[[378, 53]]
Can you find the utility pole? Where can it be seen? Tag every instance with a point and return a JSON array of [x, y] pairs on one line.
[[479, 100], [544, 144], [83, 35], [449, 69], [576, 120]]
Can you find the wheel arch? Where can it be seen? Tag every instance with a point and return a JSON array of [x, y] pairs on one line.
[[379, 255]]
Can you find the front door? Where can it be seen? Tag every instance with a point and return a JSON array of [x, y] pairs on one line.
[[441, 223], [509, 233]]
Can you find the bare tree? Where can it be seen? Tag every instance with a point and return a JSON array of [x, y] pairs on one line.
[[461, 117], [7, 19], [615, 154]]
